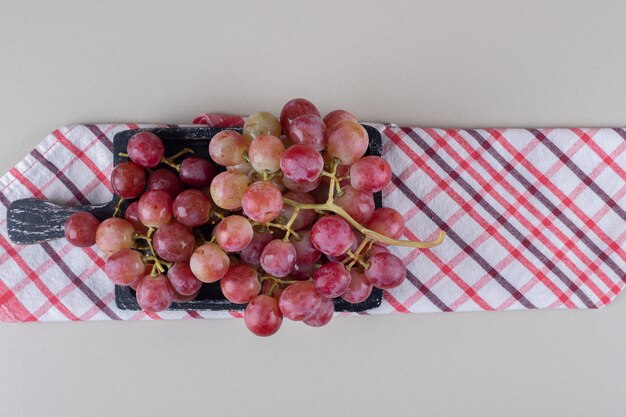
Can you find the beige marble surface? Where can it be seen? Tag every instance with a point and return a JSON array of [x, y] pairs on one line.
[[431, 63]]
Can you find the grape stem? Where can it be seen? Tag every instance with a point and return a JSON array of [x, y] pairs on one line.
[[170, 159], [284, 227], [330, 205], [216, 215], [265, 175], [354, 257], [333, 181], [158, 263], [288, 228], [270, 292], [200, 237], [118, 207], [280, 281], [367, 232], [154, 259]]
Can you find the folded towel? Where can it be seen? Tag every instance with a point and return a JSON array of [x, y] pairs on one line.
[[535, 218]]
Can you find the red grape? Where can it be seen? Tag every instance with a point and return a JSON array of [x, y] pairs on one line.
[[132, 215], [347, 141], [183, 280], [227, 148], [378, 249], [233, 233], [265, 152], [302, 163], [227, 189], [359, 205], [147, 271], [386, 271], [128, 180], [331, 279], [179, 298], [294, 108], [278, 258], [299, 301], [262, 201], [387, 222], [192, 208], [337, 116], [308, 129], [209, 263], [254, 176], [306, 254], [278, 182], [370, 174], [145, 149], [165, 180], [305, 217], [240, 284], [251, 254], [343, 256], [80, 229], [233, 260], [322, 315], [125, 267], [155, 208], [196, 172], [359, 289], [321, 193], [270, 284], [260, 123], [286, 141], [302, 272], [114, 234], [302, 187], [244, 167], [263, 316], [173, 242], [331, 235], [154, 294]]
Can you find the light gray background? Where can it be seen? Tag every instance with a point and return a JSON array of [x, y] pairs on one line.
[[434, 63]]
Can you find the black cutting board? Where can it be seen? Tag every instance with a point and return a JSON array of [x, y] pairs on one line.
[[32, 221]]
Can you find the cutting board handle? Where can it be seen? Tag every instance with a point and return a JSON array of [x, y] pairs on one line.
[[32, 220]]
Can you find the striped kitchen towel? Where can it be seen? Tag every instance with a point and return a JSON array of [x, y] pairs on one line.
[[535, 218]]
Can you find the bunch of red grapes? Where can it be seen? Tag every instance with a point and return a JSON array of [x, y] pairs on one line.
[[294, 219]]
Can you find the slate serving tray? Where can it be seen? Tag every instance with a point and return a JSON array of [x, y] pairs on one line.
[[32, 221]]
